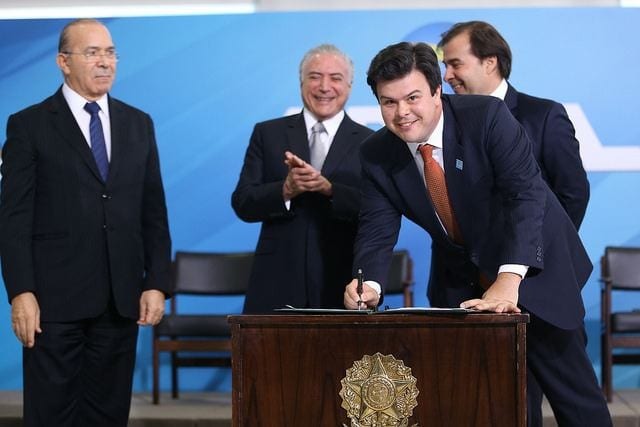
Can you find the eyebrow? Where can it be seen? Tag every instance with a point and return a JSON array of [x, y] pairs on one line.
[[111, 47], [413, 92], [321, 73]]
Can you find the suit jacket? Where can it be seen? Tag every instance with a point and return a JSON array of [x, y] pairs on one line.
[[506, 212], [304, 255], [555, 148], [72, 239]]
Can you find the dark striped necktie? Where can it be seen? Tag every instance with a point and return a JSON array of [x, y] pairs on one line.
[[98, 146]]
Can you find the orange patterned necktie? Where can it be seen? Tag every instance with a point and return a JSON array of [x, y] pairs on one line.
[[437, 188]]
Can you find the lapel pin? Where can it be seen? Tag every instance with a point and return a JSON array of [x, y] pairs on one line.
[[458, 164]]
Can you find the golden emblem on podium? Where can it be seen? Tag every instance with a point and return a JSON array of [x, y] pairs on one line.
[[379, 391]]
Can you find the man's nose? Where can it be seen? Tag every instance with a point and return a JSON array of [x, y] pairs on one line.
[[102, 61], [325, 83], [403, 109], [448, 74]]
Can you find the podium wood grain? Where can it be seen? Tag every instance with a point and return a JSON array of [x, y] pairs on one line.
[[470, 368]]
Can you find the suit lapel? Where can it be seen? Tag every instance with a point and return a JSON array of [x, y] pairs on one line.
[[341, 145], [298, 141], [409, 184], [511, 99], [118, 120], [68, 129], [454, 164]]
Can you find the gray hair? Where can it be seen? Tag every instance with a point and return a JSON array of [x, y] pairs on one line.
[[330, 49]]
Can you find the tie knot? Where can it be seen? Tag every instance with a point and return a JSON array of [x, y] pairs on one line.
[[318, 128], [426, 151], [92, 107]]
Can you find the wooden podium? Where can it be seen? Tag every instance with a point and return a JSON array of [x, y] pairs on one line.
[[469, 368]]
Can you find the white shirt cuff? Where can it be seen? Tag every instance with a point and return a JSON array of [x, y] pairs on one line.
[[520, 270], [374, 285]]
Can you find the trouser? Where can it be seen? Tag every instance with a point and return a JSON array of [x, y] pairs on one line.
[[559, 367], [80, 373]]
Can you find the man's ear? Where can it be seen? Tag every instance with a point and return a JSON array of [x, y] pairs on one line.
[[61, 60], [490, 64]]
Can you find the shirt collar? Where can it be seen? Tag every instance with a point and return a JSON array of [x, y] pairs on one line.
[[331, 125], [435, 139], [501, 90], [76, 101]]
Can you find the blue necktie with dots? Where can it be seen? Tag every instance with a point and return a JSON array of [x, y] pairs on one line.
[[98, 146]]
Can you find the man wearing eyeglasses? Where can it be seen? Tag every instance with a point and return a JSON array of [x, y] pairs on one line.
[[84, 238]]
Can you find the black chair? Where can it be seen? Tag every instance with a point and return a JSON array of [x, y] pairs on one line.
[[401, 277], [620, 329], [199, 274]]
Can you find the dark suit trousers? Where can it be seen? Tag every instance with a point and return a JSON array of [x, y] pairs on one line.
[[558, 365], [81, 373]]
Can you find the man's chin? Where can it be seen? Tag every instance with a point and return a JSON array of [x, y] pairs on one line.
[[409, 137], [458, 89], [325, 113]]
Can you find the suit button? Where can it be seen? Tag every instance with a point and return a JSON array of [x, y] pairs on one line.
[[106, 196]]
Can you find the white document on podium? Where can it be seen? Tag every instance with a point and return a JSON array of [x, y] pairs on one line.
[[430, 310], [291, 309]]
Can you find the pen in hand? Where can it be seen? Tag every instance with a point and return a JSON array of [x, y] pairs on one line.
[[359, 288]]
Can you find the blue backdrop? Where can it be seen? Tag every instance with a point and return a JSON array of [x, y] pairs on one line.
[[206, 80]]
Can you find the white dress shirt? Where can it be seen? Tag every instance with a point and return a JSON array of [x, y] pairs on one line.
[[501, 90]]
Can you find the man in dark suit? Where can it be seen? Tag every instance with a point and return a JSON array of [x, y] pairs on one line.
[[478, 62], [84, 238], [301, 180], [503, 240]]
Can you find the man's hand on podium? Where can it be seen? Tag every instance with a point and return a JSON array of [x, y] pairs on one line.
[[501, 297], [369, 297]]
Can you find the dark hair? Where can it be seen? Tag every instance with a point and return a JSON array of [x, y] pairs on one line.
[[63, 42], [398, 60], [485, 41]]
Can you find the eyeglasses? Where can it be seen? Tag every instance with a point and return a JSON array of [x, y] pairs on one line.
[[95, 55]]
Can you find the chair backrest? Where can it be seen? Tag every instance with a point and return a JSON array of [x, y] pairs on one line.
[[621, 267], [401, 276], [202, 273]]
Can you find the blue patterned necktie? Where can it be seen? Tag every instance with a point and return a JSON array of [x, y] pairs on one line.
[[98, 146]]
